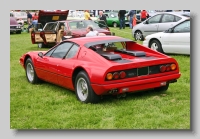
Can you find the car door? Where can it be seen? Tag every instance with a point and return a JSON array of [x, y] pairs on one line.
[[167, 21], [48, 65], [151, 25], [45, 35], [66, 67], [178, 41], [35, 34], [49, 32]]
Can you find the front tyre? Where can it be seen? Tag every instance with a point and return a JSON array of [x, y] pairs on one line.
[[83, 89], [30, 72]]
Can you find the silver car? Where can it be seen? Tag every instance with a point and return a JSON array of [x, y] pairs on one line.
[[157, 23]]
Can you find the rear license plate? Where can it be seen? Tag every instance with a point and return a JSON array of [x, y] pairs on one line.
[[55, 17], [143, 71]]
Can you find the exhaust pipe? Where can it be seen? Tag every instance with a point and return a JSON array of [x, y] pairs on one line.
[[121, 95]]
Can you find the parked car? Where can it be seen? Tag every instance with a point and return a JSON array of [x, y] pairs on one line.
[[175, 40], [14, 26], [52, 32], [157, 23], [97, 66], [21, 17], [113, 19]]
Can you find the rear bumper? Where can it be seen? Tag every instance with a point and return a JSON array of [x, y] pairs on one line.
[[137, 85]]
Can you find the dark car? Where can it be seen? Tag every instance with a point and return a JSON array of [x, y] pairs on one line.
[[52, 26], [14, 26]]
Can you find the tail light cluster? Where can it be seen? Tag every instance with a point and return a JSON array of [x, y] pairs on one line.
[[129, 73], [116, 75], [167, 67]]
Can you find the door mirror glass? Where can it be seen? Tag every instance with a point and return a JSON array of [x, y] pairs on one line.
[[40, 54]]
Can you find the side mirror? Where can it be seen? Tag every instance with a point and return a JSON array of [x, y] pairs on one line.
[[146, 22], [40, 54]]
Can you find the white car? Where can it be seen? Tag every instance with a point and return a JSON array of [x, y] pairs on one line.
[[157, 23], [175, 40]]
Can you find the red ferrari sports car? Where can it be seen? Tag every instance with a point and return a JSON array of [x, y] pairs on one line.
[[101, 65]]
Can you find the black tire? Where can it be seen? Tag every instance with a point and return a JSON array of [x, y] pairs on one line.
[[18, 32], [83, 89], [114, 24], [41, 45], [138, 36], [156, 45], [30, 72], [162, 88]]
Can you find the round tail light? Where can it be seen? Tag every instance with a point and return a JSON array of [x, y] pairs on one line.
[[162, 68], [109, 76], [173, 66], [116, 75], [168, 67], [122, 74]]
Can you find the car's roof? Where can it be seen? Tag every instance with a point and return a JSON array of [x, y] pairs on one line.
[[181, 14], [89, 41]]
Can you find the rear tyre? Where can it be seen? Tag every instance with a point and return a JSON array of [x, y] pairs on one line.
[[156, 46], [162, 88], [30, 72], [83, 89]]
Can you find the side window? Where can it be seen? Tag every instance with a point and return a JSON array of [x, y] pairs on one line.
[[73, 51], [155, 19], [167, 18], [73, 25], [177, 18], [183, 27], [61, 50], [11, 15], [80, 25], [50, 52]]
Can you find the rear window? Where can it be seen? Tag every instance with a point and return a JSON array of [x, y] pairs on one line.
[[177, 18], [50, 26]]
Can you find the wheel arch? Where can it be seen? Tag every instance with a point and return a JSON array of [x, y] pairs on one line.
[[25, 58], [152, 39], [75, 73]]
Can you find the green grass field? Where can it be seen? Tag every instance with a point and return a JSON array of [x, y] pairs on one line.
[[47, 106]]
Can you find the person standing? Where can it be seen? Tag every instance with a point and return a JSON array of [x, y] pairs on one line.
[[134, 20], [29, 20], [102, 16], [87, 15], [131, 14], [143, 15], [121, 15]]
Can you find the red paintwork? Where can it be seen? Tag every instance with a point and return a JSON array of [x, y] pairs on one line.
[[60, 71]]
